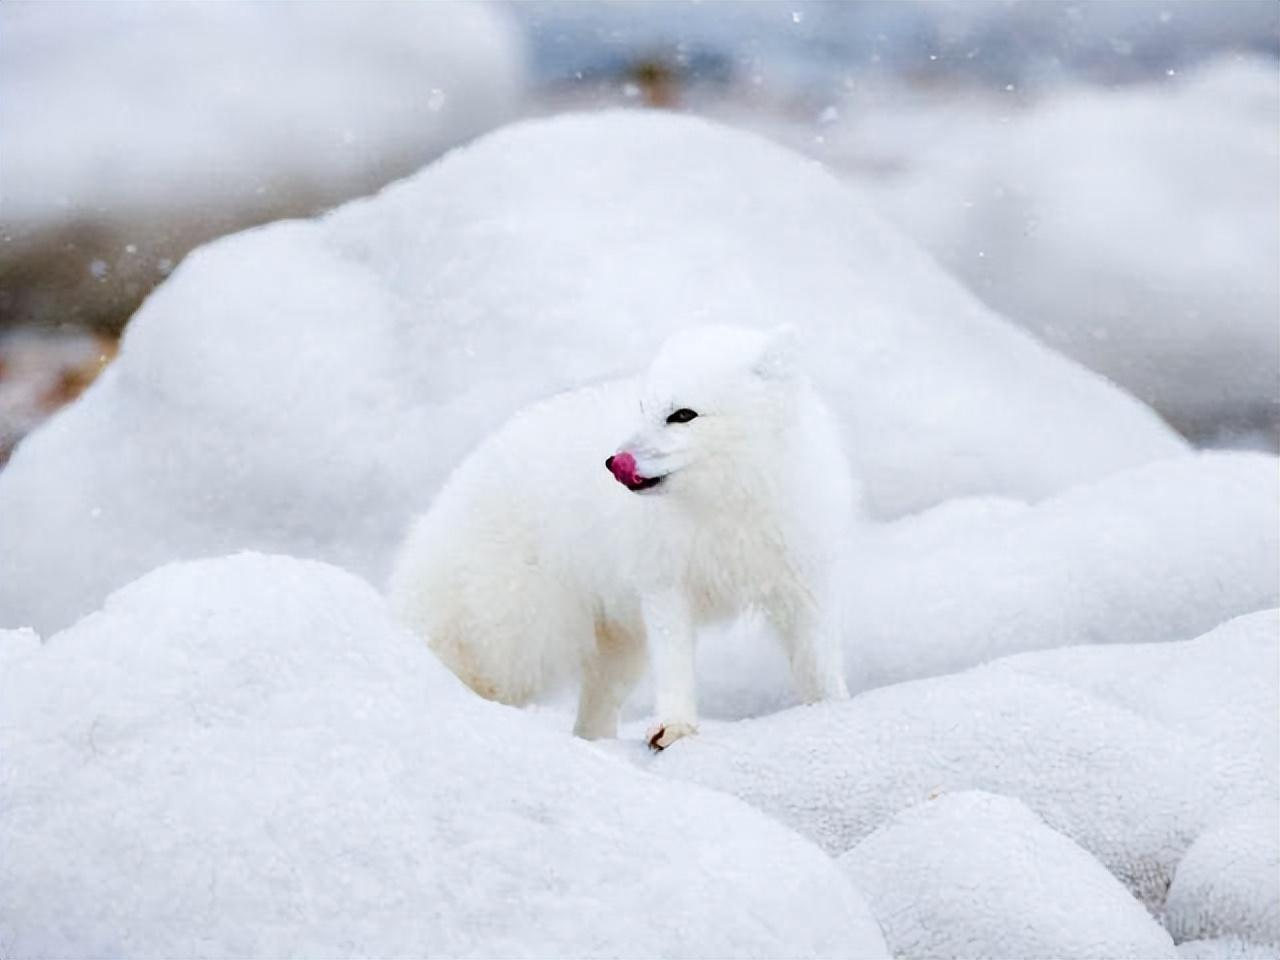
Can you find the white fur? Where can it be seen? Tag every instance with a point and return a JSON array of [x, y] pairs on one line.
[[535, 565]]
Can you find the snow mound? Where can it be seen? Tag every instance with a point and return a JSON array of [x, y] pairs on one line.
[[1161, 552], [245, 757], [96, 101], [976, 875], [1228, 884], [1132, 767], [1134, 229], [305, 387]]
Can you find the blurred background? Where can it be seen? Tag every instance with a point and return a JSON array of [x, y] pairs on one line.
[[1106, 174]]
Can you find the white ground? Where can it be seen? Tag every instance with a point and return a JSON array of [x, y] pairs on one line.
[[243, 755]]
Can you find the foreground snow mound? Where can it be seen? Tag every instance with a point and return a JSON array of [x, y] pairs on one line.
[[1131, 751], [975, 875], [305, 388], [1135, 229], [1161, 552], [1228, 884], [96, 102], [244, 757]]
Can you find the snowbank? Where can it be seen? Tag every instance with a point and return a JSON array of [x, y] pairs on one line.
[[973, 874], [245, 757], [1130, 751], [1134, 228], [1228, 884], [305, 387], [117, 111], [1161, 552]]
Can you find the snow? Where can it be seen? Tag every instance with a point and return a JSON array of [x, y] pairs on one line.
[[305, 387], [246, 757], [1131, 751], [1227, 948], [1228, 884], [118, 111], [1160, 552], [1132, 228], [973, 874]]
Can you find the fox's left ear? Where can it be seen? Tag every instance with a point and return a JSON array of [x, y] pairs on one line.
[[780, 358]]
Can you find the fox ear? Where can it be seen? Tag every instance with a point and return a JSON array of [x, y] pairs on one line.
[[780, 358]]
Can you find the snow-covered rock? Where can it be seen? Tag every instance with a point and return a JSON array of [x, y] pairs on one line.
[[246, 757], [119, 111], [976, 875], [1133, 228], [305, 387], [1228, 884], [1131, 751], [1161, 552]]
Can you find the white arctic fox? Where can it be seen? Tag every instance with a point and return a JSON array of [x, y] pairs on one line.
[[600, 528]]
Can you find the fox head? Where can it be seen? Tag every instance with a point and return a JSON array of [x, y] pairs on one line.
[[714, 404]]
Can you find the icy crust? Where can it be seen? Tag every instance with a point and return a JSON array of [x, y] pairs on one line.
[[245, 757], [305, 387], [1129, 770], [972, 874]]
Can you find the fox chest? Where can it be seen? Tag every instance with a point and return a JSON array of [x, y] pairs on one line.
[[733, 567]]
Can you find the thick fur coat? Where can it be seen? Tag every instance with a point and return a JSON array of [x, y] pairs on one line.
[[596, 531]]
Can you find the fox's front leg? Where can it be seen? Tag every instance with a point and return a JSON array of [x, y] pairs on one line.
[[671, 648]]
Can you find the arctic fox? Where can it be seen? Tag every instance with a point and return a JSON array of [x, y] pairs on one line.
[[555, 551]]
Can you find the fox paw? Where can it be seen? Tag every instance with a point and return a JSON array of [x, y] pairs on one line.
[[665, 734]]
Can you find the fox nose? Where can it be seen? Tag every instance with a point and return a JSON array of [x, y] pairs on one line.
[[608, 464]]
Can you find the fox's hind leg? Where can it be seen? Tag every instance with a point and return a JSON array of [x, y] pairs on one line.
[[609, 672], [811, 636]]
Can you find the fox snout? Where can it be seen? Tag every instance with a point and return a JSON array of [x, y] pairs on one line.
[[623, 467]]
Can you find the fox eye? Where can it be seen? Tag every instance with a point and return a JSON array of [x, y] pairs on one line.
[[683, 415]]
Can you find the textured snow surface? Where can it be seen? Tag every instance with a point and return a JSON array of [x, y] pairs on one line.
[[305, 387], [1161, 552], [1228, 884], [1130, 751], [245, 757], [973, 874], [1227, 948], [1133, 228], [113, 111]]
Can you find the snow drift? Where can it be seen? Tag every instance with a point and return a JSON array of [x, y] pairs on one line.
[[1228, 884], [1135, 229], [245, 757], [973, 874], [1133, 752], [305, 387]]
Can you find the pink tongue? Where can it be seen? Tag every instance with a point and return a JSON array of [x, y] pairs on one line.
[[624, 469]]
